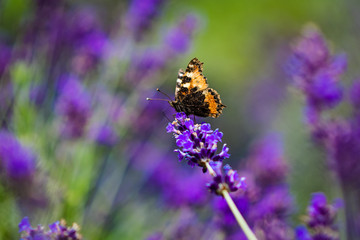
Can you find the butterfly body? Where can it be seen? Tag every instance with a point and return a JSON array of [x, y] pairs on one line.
[[192, 94]]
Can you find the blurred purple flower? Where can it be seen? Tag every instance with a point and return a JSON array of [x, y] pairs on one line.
[[320, 220], [38, 94], [267, 161], [74, 107], [343, 148], [273, 229], [143, 66], [314, 71], [141, 14], [104, 135], [73, 38], [50, 34], [276, 202], [309, 53], [24, 225], [178, 39], [324, 90], [87, 40], [17, 162], [302, 233], [58, 231], [178, 186], [264, 99], [84, 21], [155, 236], [320, 213], [89, 52]]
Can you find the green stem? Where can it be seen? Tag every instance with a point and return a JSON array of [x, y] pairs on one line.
[[239, 218]]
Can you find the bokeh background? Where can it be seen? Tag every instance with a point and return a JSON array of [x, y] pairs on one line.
[[127, 183]]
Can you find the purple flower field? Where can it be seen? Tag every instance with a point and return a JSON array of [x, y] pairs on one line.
[[93, 147]]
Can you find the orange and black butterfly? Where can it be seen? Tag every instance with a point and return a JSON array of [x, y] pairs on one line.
[[192, 94]]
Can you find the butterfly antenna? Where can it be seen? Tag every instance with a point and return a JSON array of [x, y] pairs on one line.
[[163, 93], [156, 99]]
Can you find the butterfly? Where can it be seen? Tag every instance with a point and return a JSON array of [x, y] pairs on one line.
[[192, 94]]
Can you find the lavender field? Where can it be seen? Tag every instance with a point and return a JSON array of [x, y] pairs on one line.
[[84, 153]]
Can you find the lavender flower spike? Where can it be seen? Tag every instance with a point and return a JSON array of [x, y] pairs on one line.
[[198, 142], [315, 71], [230, 182]]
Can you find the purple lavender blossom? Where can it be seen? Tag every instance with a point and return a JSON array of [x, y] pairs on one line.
[[58, 231], [198, 142], [315, 71], [230, 181], [74, 107], [141, 15], [320, 220], [17, 162]]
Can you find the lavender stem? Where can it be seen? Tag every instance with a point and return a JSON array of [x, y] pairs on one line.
[[239, 218], [209, 168]]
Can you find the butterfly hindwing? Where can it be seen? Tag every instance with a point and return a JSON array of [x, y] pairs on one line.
[[215, 106]]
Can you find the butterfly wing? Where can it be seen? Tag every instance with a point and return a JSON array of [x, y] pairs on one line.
[[205, 103], [213, 102], [190, 81], [192, 94]]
